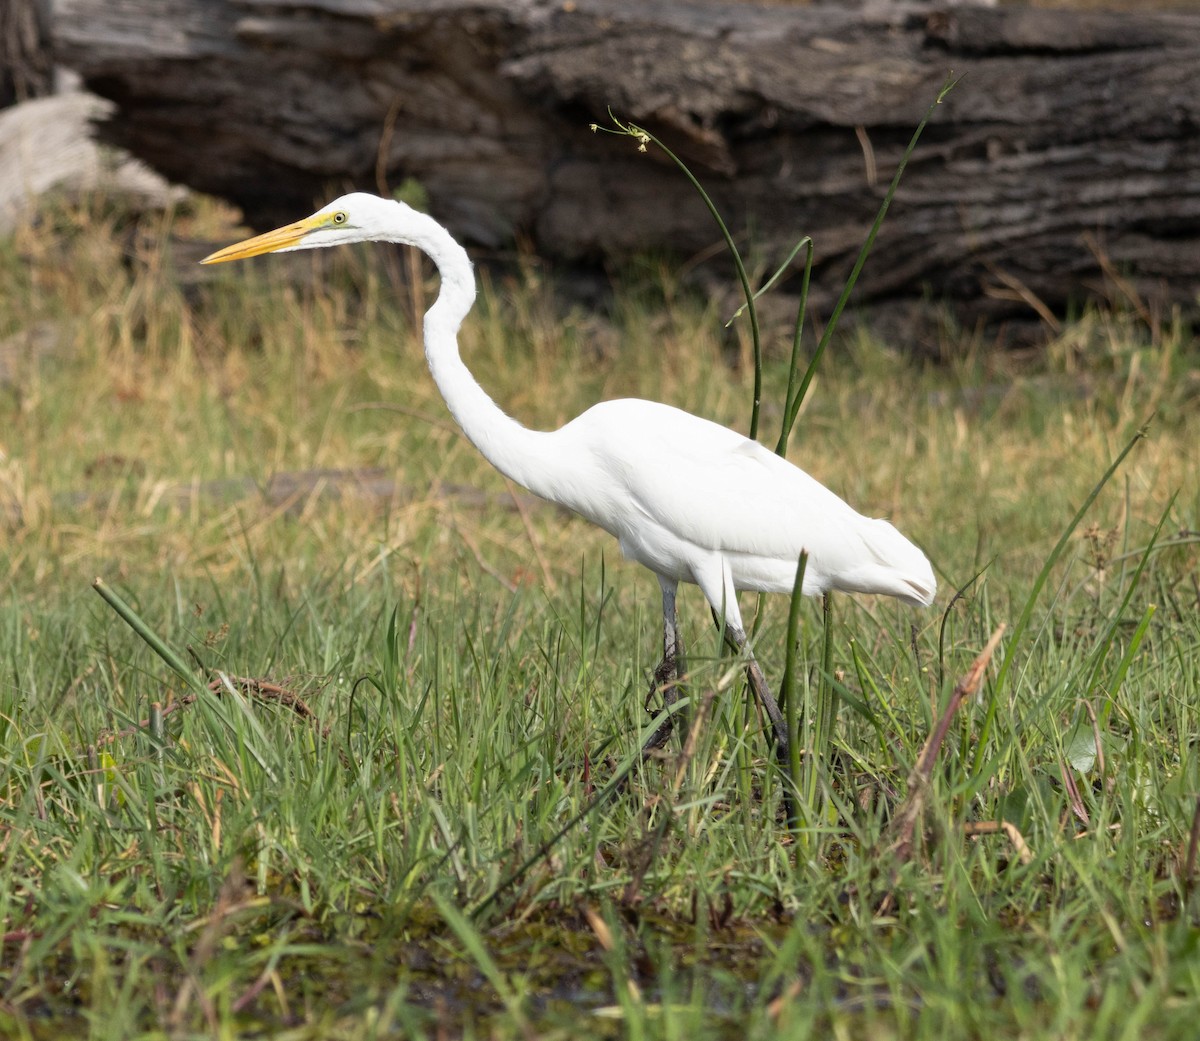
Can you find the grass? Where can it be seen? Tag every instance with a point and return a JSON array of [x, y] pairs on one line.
[[476, 664]]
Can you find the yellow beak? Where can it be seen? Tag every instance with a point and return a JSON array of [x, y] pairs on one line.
[[268, 242]]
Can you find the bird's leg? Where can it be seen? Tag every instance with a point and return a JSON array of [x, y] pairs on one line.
[[735, 636], [669, 671]]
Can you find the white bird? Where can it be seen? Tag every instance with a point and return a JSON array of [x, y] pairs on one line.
[[691, 500]]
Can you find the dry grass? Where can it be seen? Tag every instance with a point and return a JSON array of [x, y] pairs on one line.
[[478, 661], [135, 440]]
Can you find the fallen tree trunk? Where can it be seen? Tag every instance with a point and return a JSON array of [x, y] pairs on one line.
[[1068, 153], [26, 68]]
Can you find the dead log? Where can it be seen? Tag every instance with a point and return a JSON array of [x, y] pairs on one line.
[[1068, 158], [26, 65]]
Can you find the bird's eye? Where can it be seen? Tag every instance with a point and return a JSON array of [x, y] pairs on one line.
[[339, 218]]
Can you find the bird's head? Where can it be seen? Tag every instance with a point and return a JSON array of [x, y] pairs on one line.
[[357, 217]]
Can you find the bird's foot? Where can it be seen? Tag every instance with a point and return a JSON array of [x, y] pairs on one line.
[[666, 683]]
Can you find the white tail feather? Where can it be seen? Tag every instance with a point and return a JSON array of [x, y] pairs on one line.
[[898, 569]]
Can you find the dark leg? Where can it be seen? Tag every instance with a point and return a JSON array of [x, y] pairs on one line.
[[716, 582], [735, 636], [669, 671]]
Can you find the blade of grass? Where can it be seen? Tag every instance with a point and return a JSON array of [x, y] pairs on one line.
[[767, 286], [1039, 583], [1100, 656], [827, 695], [791, 669], [825, 712], [790, 394], [643, 137], [793, 405], [1132, 583], [134, 621], [471, 939], [598, 800], [1122, 669]]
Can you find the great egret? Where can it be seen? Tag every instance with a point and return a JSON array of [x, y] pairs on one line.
[[691, 500]]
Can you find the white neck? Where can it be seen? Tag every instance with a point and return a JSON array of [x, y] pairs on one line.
[[525, 456]]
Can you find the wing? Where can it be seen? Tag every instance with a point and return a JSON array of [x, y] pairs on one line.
[[665, 476], [709, 485]]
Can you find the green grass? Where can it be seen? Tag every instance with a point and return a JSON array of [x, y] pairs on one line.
[[476, 665]]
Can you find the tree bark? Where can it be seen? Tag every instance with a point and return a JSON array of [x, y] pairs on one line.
[[1066, 162], [26, 68]]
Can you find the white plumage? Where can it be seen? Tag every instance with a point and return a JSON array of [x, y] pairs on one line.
[[697, 502], [691, 500]]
